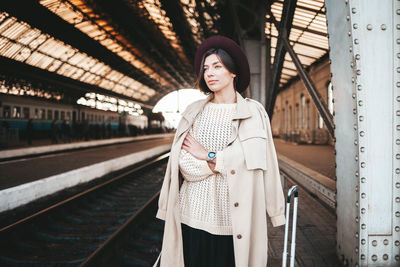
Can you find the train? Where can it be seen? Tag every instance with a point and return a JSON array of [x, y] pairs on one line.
[[16, 111]]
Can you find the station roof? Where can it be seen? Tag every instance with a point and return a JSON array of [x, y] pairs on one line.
[[144, 49]]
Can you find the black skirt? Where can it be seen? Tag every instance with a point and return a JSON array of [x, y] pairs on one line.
[[202, 249]]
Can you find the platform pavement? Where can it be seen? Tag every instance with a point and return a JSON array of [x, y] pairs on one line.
[[320, 158]]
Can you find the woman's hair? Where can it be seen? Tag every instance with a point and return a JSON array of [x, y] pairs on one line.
[[225, 59]]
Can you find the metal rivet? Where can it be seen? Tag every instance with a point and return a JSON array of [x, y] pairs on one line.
[[362, 133], [398, 84], [398, 127], [358, 72], [353, 79], [398, 112], [398, 99], [356, 249], [386, 242], [361, 118], [351, 65], [363, 211], [356, 157], [355, 127], [356, 173], [397, 228], [398, 40], [398, 11], [356, 188], [383, 27], [357, 204], [354, 111], [397, 213], [398, 26], [353, 95], [369, 27], [347, 17], [385, 257], [356, 142], [397, 257], [363, 242], [360, 103], [362, 149], [357, 219], [397, 243], [362, 256], [363, 195], [374, 257], [353, 10], [355, 26], [359, 87], [356, 41], [397, 199], [374, 243], [363, 164], [356, 235], [349, 33], [397, 185], [398, 55], [351, 49], [358, 56], [398, 69], [397, 156], [363, 226], [363, 180], [397, 141]]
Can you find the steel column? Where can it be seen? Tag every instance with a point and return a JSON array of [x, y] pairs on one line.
[[365, 51]]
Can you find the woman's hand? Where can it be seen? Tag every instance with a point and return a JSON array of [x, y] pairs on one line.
[[195, 148]]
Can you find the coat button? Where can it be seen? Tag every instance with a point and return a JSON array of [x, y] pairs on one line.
[[233, 172], [236, 204], [239, 236]]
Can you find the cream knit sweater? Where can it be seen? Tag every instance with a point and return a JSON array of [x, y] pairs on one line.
[[204, 195]]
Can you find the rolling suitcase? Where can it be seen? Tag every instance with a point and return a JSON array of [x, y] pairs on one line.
[[292, 191]]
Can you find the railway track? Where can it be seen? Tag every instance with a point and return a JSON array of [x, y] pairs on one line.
[[84, 229]]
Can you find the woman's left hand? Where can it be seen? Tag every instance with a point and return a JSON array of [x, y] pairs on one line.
[[195, 148]]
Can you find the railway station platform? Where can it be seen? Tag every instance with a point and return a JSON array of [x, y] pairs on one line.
[[28, 179]]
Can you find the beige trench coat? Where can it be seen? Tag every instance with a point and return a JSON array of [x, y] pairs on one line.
[[253, 180]]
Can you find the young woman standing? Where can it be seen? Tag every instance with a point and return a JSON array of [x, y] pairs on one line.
[[222, 176]]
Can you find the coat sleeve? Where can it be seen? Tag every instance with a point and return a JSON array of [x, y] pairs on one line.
[[163, 198], [274, 198]]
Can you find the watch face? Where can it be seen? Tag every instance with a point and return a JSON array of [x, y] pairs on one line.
[[211, 155]]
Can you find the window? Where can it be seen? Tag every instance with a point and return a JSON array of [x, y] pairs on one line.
[[43, 114], [6, 112], [49, 114], [330, 97], [297, 116], [25, 113], [62, 115], [302, 102], [308, 114], [56, 114], [69, 115], [16, 113]]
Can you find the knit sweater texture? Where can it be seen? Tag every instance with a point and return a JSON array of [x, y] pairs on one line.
[[204, 194]]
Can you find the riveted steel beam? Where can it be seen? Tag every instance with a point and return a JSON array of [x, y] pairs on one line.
[[284, 29]]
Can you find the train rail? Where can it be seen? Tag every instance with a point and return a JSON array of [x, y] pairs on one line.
[[77, 230]]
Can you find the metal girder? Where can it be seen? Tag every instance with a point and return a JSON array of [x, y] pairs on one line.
[[284, 28], [316, 97], [40, 17], [318, 101], [136, 28]]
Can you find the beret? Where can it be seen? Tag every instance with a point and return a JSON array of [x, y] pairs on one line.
[[233, 50]]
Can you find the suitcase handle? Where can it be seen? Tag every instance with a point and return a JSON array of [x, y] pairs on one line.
[[292, 191]]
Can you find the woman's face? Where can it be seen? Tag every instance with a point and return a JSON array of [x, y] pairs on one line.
[[216, 76]]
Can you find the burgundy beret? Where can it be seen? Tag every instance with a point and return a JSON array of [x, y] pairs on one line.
[[233, 50]]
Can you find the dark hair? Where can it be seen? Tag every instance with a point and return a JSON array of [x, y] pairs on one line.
[[225, 59]]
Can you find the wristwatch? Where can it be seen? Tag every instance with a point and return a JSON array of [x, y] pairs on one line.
[[211, 156]]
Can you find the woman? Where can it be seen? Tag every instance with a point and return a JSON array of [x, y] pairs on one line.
[[222, 176]]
